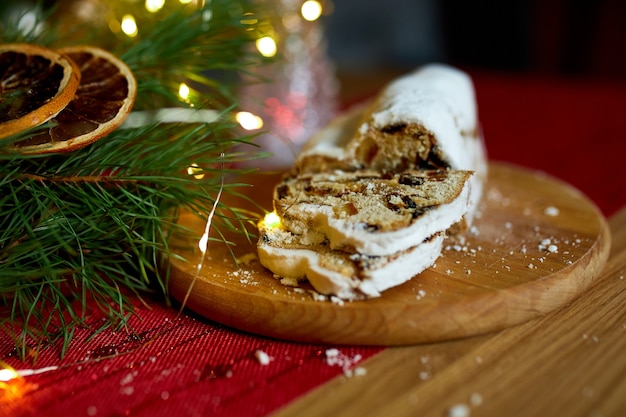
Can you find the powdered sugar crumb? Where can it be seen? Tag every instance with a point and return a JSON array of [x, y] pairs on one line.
[[262, 357], [548, 245], [459, 410], [359, 371], [476, 399], [128, 378], [317, 296], [334, 357], [336, 300], [464, 410], [551, 211]]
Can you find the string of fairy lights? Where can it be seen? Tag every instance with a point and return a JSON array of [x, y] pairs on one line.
[[291, 18], [267, 44]]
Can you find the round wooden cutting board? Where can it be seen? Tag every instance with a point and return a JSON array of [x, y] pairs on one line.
[[537, 244]]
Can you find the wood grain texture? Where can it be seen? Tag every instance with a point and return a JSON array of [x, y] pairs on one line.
[[500, 274], [570, 362]]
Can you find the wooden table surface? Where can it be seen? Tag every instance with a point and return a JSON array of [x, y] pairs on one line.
[[571, 362]]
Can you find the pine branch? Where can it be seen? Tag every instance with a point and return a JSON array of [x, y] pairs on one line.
[[92, 227]]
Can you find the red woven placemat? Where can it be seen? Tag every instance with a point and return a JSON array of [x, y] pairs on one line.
[[161, 364]]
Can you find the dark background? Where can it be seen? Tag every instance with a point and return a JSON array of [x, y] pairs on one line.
[[582, 37]]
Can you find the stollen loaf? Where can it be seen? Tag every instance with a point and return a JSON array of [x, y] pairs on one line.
[[371, 197]]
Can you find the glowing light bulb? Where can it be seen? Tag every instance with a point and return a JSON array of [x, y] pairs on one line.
[[203, 243], [311, 10], [266, 46], [184, 1], [196, 171], [183, 91], [271, 220], [8, 374], [249, 121], [129, 26], [154, 6]]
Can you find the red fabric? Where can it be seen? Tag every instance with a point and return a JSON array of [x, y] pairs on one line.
[[571, 128], [188, 366], [168, 366]]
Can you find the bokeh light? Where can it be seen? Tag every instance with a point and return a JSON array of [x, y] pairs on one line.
[[129, 26], [271, 220], [183, 91], [249, 121], [267, 46], [311, 10], [154, 6]]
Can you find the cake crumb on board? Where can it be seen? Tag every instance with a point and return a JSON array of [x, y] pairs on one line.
[[459, 410]]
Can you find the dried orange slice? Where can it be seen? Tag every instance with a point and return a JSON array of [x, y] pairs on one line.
[[36, 83], [103, 100]]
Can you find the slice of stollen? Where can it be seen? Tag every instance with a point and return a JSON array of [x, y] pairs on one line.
[[347, 276], [370, 212]]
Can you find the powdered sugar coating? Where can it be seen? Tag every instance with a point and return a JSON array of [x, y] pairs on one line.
[[433, 96], [438, 97]]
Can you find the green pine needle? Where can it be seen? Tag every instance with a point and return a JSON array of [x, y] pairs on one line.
[[92, 227]]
